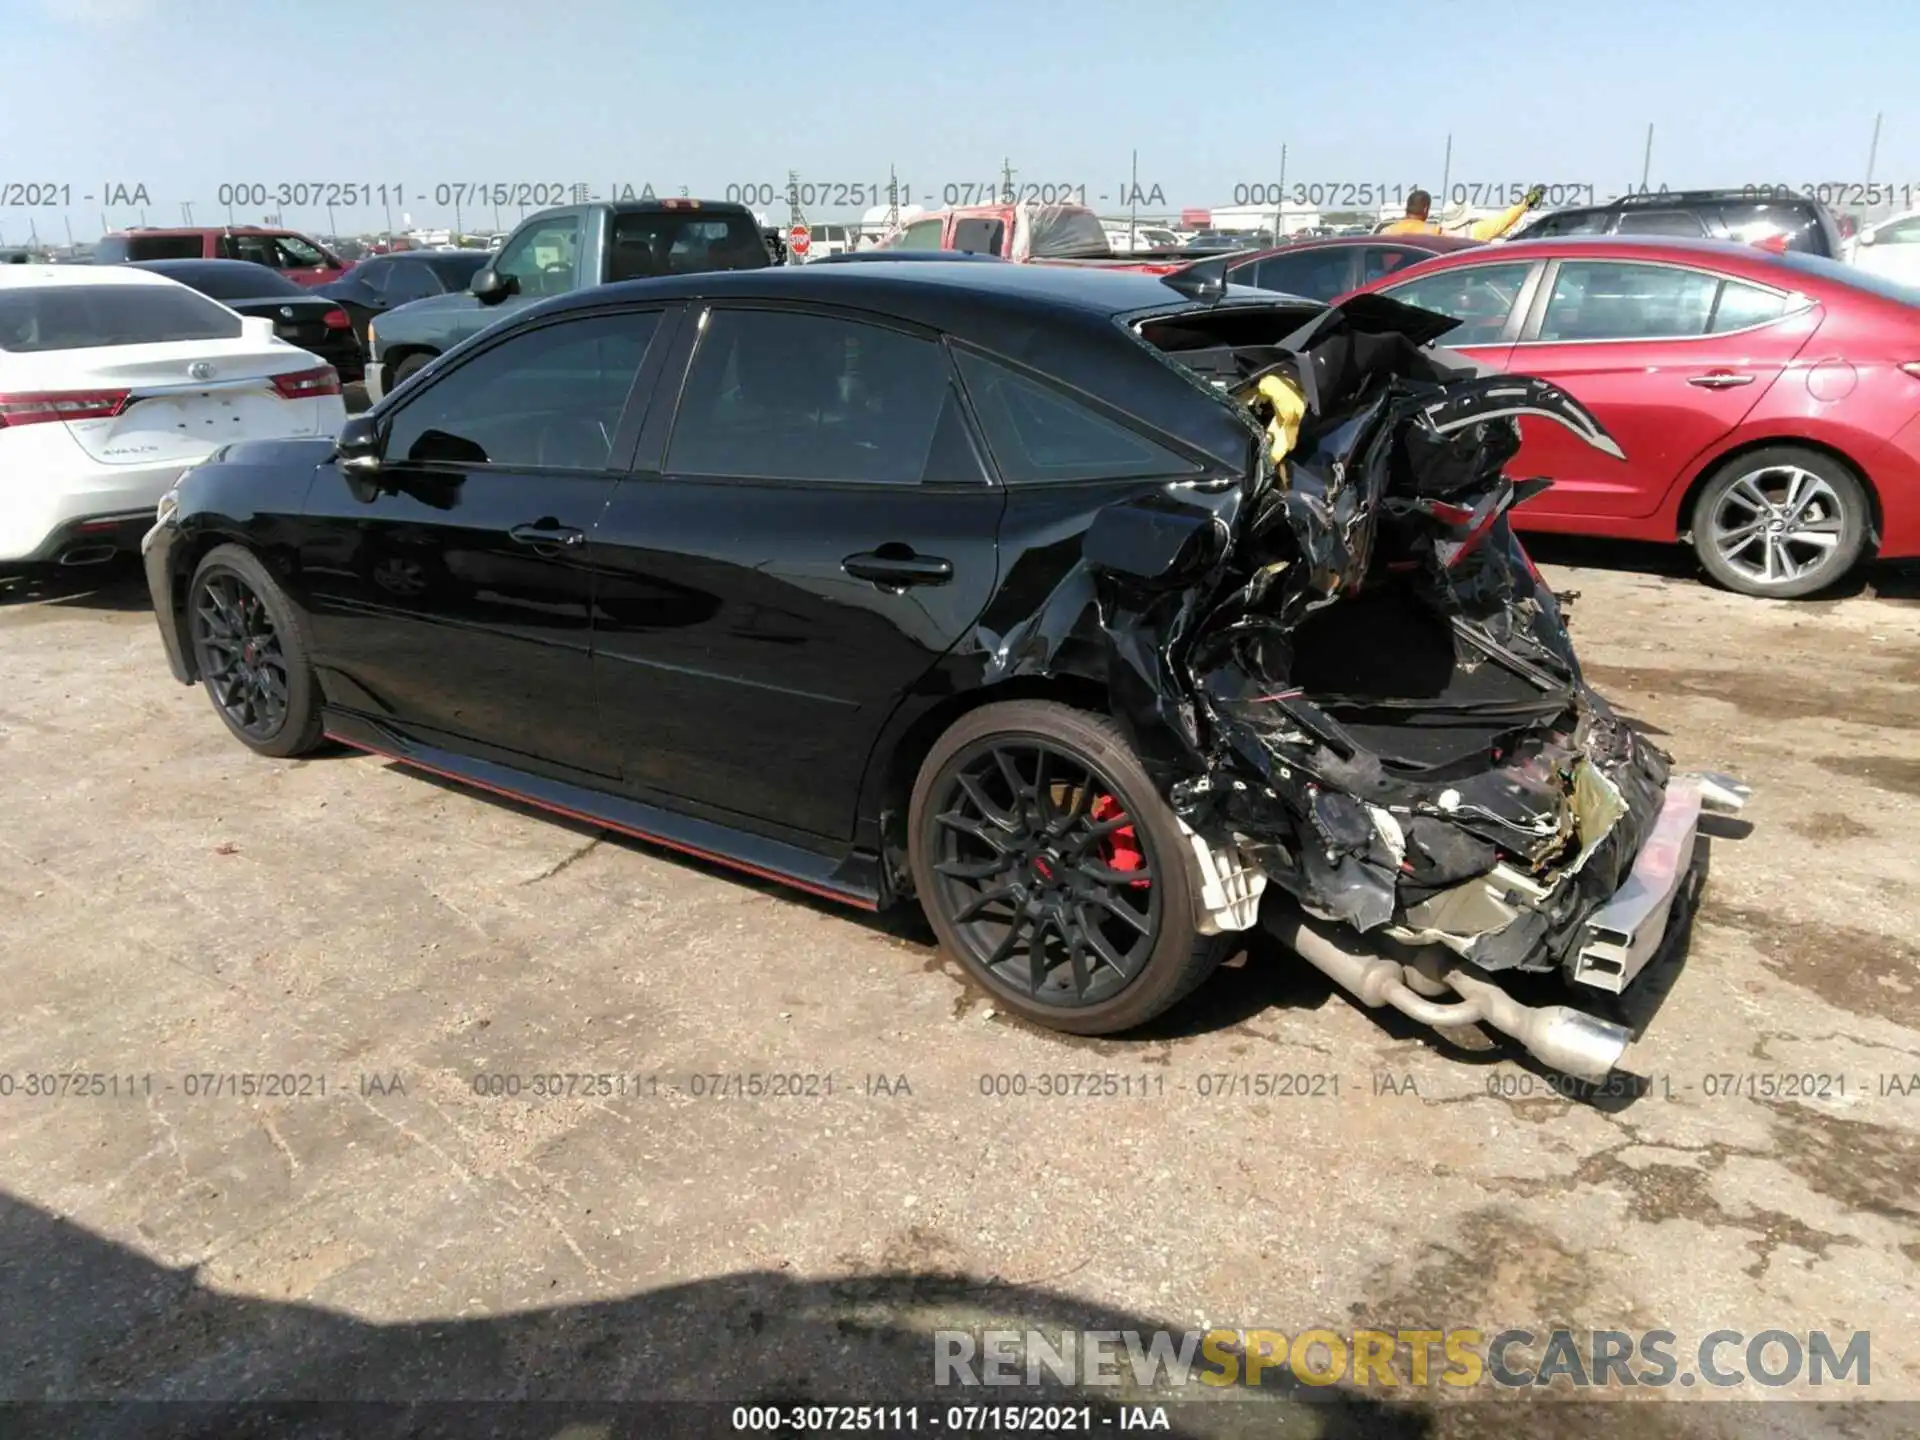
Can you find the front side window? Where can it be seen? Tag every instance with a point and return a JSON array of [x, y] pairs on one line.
[[543, 258], [298, 254], [782, 396], [83, 317], [1481, 297], [549, 397], [1620, 300], [1037, 434]]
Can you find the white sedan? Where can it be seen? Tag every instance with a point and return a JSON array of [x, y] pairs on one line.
[[114, 382], [1890, 248]]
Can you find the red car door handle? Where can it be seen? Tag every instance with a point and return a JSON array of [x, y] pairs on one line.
[[1719, 380]]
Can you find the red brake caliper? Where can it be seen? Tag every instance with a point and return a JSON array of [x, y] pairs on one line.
[[1121, 849]]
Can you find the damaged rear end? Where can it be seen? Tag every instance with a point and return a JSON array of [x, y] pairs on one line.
[[1359, 694]]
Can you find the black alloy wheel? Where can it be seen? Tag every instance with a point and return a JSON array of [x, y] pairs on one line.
[[1042, 875], [1054, 871], [240, 656], [249, 646]]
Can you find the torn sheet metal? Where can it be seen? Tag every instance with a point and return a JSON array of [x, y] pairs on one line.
[[1348, 666]]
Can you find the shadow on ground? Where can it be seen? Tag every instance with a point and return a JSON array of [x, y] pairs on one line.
[[89, 1320]]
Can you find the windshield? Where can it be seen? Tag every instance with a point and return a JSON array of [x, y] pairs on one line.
[[79, 317], [1851, 277]]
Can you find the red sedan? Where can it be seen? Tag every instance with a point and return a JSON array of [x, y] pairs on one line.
[[1768, 405]]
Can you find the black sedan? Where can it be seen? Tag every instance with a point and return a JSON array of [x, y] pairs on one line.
[[1102, 613], [382, 282], [300, 316]]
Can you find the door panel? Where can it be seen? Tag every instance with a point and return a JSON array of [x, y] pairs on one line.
[[452, 593], [819, 532], [1665, 400]]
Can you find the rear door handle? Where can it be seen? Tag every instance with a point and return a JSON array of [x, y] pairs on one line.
[[896, 567], [547, 532], [1719, 380]]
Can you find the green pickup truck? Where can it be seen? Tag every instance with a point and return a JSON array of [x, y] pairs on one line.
[[555, 251]]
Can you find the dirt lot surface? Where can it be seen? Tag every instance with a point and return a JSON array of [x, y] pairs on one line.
[[176, 913]]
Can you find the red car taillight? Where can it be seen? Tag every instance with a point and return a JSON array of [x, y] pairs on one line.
[[61, 405], [336, 320], [301, 384]]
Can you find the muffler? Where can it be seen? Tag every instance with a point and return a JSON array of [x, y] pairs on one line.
[[1559, 1037], [88, 555]]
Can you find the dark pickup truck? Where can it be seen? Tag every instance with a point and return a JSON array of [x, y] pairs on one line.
[[555, 251]]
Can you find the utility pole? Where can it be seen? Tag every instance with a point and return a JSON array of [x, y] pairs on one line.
[[67, 220], [33, 233], [186, 212], [1280, 205], [1873, 148], [229, 213], [893, 200], [1133, 198], [795, 215], [1446, 176], [458, 225], [1646, 160], [333, 230], [1007, 193], [388, 206]]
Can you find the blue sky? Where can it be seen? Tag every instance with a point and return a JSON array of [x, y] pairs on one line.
[[185, 96]]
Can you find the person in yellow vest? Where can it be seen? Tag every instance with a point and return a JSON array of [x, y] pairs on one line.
[[1420, 207]]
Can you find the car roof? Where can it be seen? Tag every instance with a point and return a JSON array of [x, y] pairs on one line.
[[1641, 247], [1438, 244], [198, 264], [939, 291], [27, 276]]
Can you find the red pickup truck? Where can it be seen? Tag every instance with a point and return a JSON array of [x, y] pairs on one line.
[[301, 260], [1031, 234]]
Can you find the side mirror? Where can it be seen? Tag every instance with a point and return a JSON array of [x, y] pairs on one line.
[[357, 448], [256, 329], [490, 287]]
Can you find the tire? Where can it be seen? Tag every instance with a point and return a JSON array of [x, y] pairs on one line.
[[1091, 772], [249, 644], [406, 370], [1801, 513]]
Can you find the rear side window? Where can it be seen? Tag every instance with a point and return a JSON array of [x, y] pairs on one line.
[[1763, 220], [84, 317], [1661, 222], [408, 280], [1742, 305], [781, 396], [160, 247], [1480, 297], [680, 242], [1037, 434]]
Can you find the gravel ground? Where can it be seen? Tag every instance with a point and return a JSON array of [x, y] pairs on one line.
[[175, 912]]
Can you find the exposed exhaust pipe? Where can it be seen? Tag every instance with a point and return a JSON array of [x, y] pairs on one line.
[[88, 555], [1562, 1038]]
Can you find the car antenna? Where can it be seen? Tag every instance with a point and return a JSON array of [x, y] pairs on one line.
[[1202, 280]]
